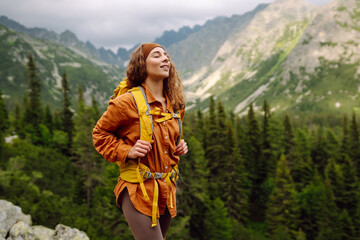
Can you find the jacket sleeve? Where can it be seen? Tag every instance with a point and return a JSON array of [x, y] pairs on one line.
[[105, 141]]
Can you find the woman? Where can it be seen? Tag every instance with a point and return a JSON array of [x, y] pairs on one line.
[[116, 138]]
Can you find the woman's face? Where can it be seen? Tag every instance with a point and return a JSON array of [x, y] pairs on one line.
[[157, 64]]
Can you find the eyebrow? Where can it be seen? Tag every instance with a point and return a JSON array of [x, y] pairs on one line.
[[160, 52]]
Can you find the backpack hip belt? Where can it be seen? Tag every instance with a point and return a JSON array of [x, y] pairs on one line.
[[136, 172]]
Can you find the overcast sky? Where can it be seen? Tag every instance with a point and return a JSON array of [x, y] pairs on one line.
[[122, 23]]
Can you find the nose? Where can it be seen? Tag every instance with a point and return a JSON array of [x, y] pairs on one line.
[[166, 58]]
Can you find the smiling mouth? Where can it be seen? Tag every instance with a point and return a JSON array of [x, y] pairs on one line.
[[165, 67]]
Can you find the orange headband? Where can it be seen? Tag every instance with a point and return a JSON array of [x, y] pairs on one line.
[[147, 47]]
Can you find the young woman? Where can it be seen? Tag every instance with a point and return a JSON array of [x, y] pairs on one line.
[[117, 138]]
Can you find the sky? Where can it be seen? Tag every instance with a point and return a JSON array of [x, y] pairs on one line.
[[122, 23]]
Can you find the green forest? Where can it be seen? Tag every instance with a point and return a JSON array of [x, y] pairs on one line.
[[261, 176]]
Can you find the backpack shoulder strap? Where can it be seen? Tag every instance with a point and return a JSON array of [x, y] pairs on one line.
[[145, 115], [178, 116], [145, 118]]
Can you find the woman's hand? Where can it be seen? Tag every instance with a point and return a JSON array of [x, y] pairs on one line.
[[140, 149], [181, 148]]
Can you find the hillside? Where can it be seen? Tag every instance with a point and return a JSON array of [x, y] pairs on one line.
[[52, 60]]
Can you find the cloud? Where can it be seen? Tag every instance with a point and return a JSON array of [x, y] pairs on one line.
[[114, 23]]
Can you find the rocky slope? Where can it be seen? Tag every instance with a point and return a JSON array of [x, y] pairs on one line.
[[15, 225], [272, 33], [297, 56]]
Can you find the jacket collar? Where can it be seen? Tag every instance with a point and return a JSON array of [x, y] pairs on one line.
[[151, 99]]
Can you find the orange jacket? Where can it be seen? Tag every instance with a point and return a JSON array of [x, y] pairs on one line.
[[117, 131]]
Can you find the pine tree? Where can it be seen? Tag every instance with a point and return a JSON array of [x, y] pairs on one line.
[[266, 161], [17, 119], [66, 114], [346, 227], [288, 136], [33, 115], [350, 193], [252, 154], [22, 117], [4, 117], [211, 131], [217, 224], [212, 152], [302, 173], [332, 146], [264, 167], [252, 158], [345, 141], [192, 196], [303, 147], [199, 128], [33, 110], [277, 143], [95, 108], [225, 146], [4, 122], [327, 218], [282, 210], [48, 119], [318, 152], [354, 144], [316, 208], [333, 175], [240, 138], [85, 155], [238, 188], [57, 121]]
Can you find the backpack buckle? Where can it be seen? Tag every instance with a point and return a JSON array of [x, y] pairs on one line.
[[146, 175], [173, 175], [158, 175]]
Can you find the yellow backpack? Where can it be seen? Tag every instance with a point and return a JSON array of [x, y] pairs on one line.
[[134, 171]]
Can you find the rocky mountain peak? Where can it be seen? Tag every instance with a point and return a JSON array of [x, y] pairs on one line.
[[68, 38]]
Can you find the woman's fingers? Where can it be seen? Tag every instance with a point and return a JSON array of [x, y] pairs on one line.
[[181, 148], [140, 144], [140, 149]]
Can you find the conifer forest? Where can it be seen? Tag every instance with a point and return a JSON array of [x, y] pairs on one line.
[[261, 176]]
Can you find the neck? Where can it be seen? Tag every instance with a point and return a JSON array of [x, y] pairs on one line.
[[156, 88]]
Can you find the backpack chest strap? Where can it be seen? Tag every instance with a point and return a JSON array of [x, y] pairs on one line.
[[165, 116]]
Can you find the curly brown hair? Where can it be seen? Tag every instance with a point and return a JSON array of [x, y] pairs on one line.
[[136, 74]]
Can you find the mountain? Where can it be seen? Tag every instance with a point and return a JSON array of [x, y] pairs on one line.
[[199, 49], [297, 56], [69, 39], [171, 37], [52, 60]]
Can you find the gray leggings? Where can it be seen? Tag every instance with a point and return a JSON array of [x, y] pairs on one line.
[[140, 224]]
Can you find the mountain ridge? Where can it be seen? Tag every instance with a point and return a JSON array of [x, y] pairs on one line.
[[289, 52], [69, 39], [52, 60]]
